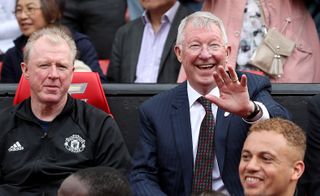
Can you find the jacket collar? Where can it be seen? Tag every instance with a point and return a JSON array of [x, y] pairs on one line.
[[23, 110]]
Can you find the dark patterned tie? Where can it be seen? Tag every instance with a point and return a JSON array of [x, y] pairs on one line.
[[202, 178]]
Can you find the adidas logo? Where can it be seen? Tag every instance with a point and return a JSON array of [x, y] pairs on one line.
[[16, 147]]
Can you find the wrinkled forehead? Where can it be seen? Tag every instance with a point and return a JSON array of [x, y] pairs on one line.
[[53, 46], [194, 30], [203, 24]]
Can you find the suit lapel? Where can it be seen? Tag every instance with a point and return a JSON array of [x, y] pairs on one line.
[[137, 35], [182, 132], [221, 132], [172, 35]]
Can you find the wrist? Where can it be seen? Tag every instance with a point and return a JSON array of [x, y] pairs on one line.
[[255, 111]]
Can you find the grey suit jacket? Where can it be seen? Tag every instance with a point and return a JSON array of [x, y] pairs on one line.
[[126, 49]]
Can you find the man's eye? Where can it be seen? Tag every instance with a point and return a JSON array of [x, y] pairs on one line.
[[245, 157], [267, 159], [62, 67], [44, 65], [215, 46], [194, 46]]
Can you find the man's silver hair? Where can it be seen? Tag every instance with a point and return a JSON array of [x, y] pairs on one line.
[[201, 19], [55, 35]]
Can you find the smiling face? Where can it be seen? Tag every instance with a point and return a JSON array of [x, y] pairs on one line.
[[49, 71], [29, 16], [268, 165], [200, 53]]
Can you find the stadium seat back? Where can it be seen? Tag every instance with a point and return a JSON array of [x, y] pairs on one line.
[[85, 86]]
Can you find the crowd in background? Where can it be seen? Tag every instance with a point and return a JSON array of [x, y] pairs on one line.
[[155, 41], [247, 23]]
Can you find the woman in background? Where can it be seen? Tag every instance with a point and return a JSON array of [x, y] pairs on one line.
[[33, 15]]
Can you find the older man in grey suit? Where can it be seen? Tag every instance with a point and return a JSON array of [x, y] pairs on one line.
[[142, 51]]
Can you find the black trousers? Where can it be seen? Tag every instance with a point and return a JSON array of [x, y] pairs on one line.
[[99, 19]]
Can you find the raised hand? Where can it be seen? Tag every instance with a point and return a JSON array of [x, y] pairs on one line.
[[234, 96]]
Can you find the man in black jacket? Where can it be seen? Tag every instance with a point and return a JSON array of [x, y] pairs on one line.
[[51, 135]]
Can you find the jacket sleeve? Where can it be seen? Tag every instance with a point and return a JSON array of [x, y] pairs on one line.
[[113, 74], [143, 176], [111, 149], [311, 177], [260, 90]]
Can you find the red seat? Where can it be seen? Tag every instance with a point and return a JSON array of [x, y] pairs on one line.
[[104, 64], [85, 86]]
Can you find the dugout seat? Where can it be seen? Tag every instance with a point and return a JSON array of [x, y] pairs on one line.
[[85, 86]]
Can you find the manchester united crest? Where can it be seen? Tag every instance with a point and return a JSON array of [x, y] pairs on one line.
[[75, 144]]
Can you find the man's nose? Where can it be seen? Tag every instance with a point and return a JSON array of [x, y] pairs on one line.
[[53, 72], [205, 53], [253, 164]]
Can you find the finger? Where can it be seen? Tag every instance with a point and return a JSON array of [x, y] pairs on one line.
[[219, 81], [224, 75], [244, 80], [233, 74], [212, 98], [215, 100]]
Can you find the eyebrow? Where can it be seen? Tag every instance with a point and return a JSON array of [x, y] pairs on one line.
[[28, 4], [260, 152]]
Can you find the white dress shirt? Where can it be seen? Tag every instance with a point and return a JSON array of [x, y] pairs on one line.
[[152, 46]]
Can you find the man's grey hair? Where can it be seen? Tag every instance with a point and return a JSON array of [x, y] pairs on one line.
[[55, 35], [201, 19]]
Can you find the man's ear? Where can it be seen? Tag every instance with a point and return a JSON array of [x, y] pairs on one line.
[[177, 50], [298, 169], [228, 48], [25, 70]]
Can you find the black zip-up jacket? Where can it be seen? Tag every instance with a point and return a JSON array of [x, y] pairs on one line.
[[34, 162]]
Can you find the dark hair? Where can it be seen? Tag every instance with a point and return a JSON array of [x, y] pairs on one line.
[[209, 193], [52, 10], [104, 181]]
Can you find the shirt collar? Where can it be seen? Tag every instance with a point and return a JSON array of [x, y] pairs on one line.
[[193, 95], [169, 15]]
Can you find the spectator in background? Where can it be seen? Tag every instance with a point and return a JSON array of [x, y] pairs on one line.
[[142, 51], [9, 27], [135, 9], [98, 19], [314, 7], [244, 23], [310, 182], [203, 119], [50, 135], [272, 158], [195, 5], [33, 15], [95, 181]]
